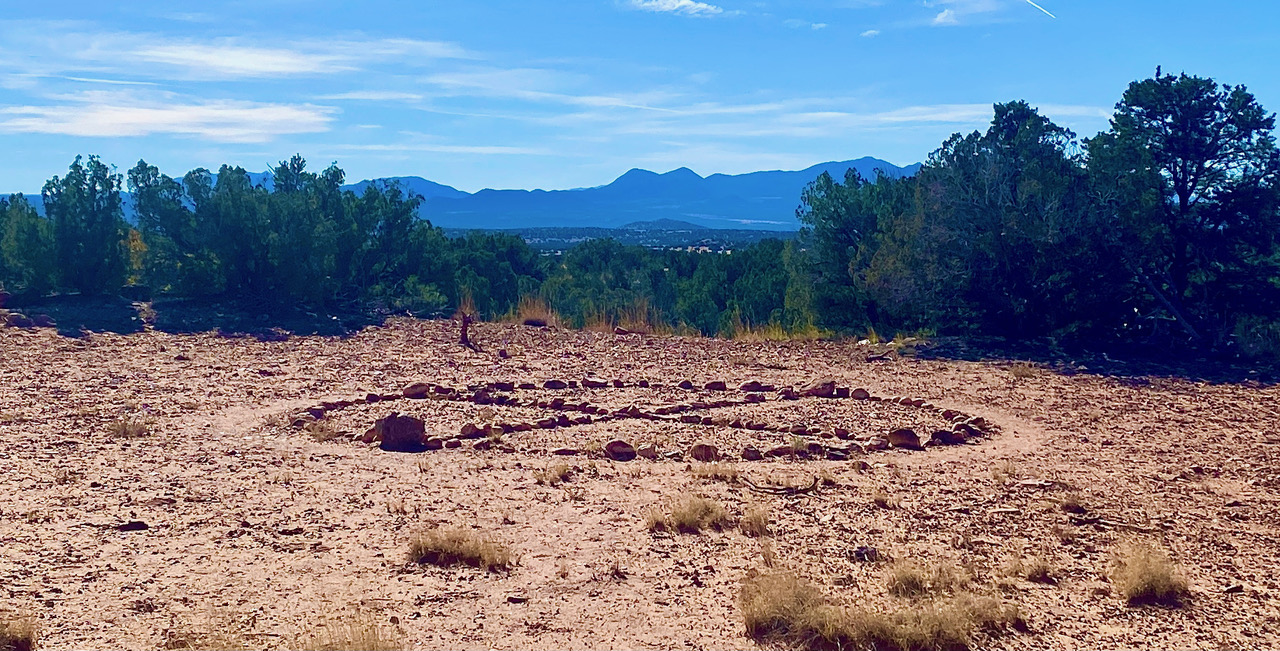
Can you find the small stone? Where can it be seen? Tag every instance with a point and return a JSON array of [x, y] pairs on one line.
[[619, 450], [752, 454], [416, 391], [649, 451], [133, 525], [755, 387], [947, 437], [715, 385], [470, 431], [780, 451], [905, 438], [842, 433], [15, 320], [593, 383], [842, 392], [875, 443], [837, 454], [483, 444], [372, 398], [704, 452], [555, 384], [453, 444], [1234, 588], [825, 388], [860, 394], [434, 443], [644, 384], [618, 384], [686, 385], [565, 452]]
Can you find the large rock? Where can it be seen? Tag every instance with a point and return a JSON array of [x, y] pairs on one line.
[[619, 450], [416, 391], [825, 388], [905, 438], [704, 452], [15, 320], [402, 433], [751, 454], [555, 384]]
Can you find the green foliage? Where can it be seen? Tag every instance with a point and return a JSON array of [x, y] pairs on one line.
[[88, 227], [26, 248]]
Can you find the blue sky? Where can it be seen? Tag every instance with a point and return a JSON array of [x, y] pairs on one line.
[[573, 93]]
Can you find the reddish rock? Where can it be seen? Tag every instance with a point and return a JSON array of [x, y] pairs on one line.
[[860, 394], [825, 388], [417, 390], [704, 452], [619, 450], [905, 438], [402, 433]]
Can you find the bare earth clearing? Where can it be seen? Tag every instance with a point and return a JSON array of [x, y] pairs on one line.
[[257, 529]]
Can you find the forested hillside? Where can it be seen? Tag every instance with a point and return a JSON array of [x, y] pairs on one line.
[[1164, 228]]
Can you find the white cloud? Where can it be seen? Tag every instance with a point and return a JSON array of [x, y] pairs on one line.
[[946, 17], [47, 49], [104, 114], [796, 23], [373, 96], [870, 33], [686, 7]]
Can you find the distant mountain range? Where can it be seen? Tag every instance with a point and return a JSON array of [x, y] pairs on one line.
[[638, 199], [758, 200]]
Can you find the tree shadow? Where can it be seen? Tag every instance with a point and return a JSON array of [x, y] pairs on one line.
[[75, 315], [1135, 365]]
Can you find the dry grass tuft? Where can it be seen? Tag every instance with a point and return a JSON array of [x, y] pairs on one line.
[[912, 579], [17, 634], [725, 472], [1023, 370], [1037, 570], [1072, 503], [356, 632], [780, 605], [755, 521], [129, 427], [323, 431], [553, 474], [455, 546], [884, 500], [690, 514], [534, 310], [1146, 575]]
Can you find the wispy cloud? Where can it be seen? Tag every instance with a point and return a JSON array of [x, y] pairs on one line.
[[946, 17], [1046, 11], [115, 114], [870, 33], [55, 49], [373, 96], [796, 23], [686, 7]]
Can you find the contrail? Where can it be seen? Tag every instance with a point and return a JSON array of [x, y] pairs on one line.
[[1046, 11]]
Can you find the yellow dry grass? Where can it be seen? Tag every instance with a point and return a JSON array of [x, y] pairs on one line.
[[456, 546]]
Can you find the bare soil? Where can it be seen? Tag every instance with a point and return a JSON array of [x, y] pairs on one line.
[[254, 527]]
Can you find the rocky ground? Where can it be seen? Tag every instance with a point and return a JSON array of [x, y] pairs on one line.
[[158, 488]]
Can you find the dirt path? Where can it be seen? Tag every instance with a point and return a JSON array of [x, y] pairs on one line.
[[257, 530]]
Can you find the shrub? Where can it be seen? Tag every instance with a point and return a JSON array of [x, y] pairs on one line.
[[17, 635], [716, 472], [455, 546], [129, 428], [690, 514], [911, 579], [1146, 575], [755, 521], [781, 605]]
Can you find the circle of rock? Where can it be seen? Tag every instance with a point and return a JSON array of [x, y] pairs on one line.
[[399, 433]]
